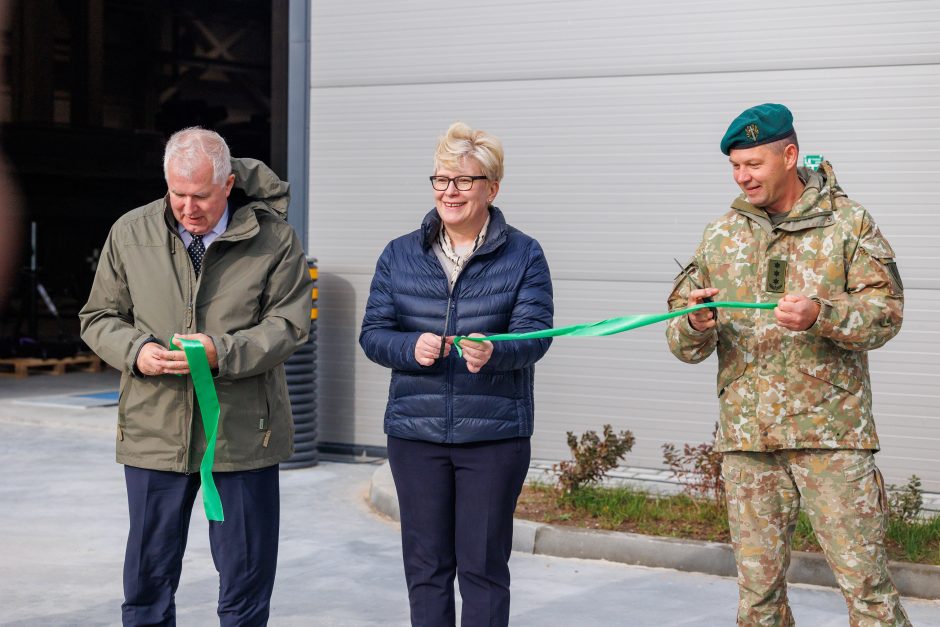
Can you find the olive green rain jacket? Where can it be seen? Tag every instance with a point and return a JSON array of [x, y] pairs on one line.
[[252, 297], [780, 389]]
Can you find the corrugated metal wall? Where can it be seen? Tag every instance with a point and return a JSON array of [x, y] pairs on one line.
[[611, 113]]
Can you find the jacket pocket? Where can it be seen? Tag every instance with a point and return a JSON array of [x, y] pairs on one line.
[[140, 408], [731, 474], [243, 419], [865, 487], [832, 385], [524, 416], [859, 470], [834, 377], [122, 395], [732, 364], [727, 376], [897, 286]]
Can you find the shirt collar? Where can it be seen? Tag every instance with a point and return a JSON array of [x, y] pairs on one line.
[[209, 237]]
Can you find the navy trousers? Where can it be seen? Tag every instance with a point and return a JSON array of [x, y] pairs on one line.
[[244, 547], [456, 503]]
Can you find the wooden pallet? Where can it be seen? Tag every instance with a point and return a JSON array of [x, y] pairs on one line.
[[20, 367]]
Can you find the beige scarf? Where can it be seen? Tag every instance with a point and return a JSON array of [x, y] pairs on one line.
[[455, 258]]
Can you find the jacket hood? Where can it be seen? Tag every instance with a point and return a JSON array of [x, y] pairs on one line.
[[258, 183], [819, 186]]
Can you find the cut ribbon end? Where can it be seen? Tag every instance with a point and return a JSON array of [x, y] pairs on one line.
[[209, 408]]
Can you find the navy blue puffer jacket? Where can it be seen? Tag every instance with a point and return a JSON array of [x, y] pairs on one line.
[[505, 287]]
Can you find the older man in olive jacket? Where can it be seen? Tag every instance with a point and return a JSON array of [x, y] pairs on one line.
[[200, 264]]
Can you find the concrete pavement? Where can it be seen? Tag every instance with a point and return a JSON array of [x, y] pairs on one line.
[[64, 524], [713, 558]]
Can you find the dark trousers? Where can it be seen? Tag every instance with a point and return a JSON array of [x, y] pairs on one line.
[[456, 504], [244, 547]]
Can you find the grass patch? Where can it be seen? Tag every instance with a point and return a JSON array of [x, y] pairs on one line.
[[679, 516], [620, 509], [675, 516], [917, 541], [803, 537]]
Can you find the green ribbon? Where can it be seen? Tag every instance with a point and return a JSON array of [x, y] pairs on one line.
[[209, 407], [609, 326]]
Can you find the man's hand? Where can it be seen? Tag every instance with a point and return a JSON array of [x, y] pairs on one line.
[[154, 360], [796, 312], [701, 320], [428, 348], [476, 354], [211, 356]]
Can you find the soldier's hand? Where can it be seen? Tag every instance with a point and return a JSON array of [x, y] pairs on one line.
[[154, 360], [211, 355], [796, 312], [428, 348], [701, 320]]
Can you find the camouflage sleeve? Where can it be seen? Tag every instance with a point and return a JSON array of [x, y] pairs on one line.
[[686, 343], [870, 311]]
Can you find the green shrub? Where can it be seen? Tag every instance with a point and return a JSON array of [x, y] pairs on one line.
[[593, 457], [906, 502], [698, 469]]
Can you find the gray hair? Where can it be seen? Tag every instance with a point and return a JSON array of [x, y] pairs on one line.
[[781, 144], [188, 148]]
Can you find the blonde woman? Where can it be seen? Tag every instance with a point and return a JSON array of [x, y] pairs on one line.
[[458, 429]]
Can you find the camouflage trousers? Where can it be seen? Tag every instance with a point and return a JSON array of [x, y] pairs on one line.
[[843, 494]]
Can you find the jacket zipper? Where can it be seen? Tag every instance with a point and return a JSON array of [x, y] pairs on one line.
[[451, 307], [187, 451], [449, 365], [450, 321], [449, 362], [184, 454]]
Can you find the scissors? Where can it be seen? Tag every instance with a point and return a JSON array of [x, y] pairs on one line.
[[697, 285]]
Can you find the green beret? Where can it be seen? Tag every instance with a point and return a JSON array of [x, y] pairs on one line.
[[758, 125]]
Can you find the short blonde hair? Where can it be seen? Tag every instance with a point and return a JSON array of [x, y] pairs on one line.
[[462, 142]]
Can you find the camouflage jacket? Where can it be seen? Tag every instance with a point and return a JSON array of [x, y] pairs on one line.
[[780, 389]]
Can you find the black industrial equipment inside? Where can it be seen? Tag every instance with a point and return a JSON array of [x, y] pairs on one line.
[[91, 89]]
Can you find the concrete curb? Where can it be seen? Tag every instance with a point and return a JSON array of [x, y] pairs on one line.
[[713, 558], [382, 493]]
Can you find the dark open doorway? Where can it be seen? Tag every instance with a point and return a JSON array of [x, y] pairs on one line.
[[91, 89]]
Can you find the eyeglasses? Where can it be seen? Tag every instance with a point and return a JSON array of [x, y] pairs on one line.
[[462, 183]]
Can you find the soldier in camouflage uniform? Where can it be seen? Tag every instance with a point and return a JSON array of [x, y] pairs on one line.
[[796, 425]]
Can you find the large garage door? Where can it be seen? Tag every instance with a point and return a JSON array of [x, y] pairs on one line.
[[611, 114]]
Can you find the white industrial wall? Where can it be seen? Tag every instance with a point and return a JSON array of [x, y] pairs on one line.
[[611, 113]]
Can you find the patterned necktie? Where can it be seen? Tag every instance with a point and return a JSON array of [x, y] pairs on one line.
[[196, 251]]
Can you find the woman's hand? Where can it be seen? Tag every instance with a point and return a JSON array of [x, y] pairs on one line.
[[428, 349], [476, 354]]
